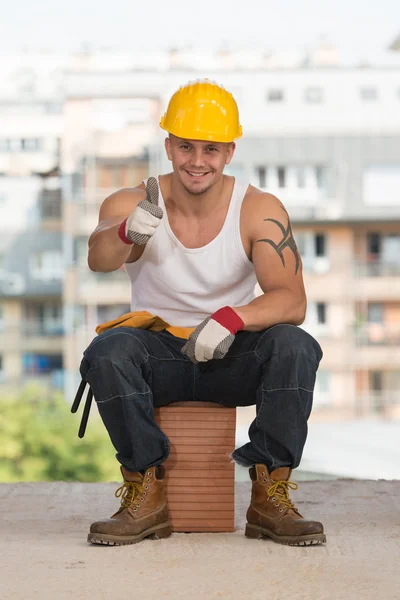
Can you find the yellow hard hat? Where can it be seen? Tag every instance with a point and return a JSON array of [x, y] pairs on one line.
[[202, 110]]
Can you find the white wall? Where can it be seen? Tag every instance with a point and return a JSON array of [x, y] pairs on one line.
[[18, 197]]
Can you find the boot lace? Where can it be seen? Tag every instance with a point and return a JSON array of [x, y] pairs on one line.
[[129, 492], [279, 491]]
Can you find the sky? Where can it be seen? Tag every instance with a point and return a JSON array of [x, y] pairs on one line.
[[361, 30]]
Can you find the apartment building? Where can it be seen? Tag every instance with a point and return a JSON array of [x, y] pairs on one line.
[[105, 148], [324, 138], [341, 194], [31, 274]]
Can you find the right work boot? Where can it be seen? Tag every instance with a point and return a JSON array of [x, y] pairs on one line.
[[143, 512]]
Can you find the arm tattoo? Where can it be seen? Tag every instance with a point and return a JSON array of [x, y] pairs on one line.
[[286, 242]]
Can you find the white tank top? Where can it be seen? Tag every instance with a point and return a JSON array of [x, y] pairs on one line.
[[183, 285]]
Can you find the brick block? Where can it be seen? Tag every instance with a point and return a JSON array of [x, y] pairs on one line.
[[199, 472]]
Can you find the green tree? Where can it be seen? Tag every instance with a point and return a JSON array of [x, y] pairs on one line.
[[39, 442]]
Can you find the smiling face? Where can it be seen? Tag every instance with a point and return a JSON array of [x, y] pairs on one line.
[[198, 164]]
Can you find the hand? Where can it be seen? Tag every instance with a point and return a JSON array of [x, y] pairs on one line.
[[143, 221], [214, 336]]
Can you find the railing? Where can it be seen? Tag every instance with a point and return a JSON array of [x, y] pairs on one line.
[[32, 329], [377, 334], [52, 329], [50, 204], [377, 269], [377, 402], [318, 264], [49, 380], [85, 276]]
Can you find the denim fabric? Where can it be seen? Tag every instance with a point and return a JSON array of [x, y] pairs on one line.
[[132, 371]]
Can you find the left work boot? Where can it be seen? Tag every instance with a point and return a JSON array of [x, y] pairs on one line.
[[143, 512], [272, 514]]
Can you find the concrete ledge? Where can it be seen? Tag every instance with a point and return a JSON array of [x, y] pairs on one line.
[[44, 554]]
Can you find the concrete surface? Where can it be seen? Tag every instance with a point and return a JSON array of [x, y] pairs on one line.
[[44, 554], [359, 449]]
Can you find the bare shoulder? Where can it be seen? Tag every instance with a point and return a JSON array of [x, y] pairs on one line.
[[259, 206], [121, 203]]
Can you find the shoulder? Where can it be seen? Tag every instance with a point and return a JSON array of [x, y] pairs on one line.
[[259, 206], [121, 202]]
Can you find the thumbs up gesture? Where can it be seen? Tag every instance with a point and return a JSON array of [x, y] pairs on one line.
[[143, 221]]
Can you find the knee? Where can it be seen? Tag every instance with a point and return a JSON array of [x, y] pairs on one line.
[[114, 346], [285, 338]]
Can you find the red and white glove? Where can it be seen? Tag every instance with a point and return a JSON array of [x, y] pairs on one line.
[[143, 221], [214, 336]]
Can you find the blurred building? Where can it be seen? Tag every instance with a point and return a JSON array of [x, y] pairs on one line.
[[108, 131], [31, 273], [325, 139]]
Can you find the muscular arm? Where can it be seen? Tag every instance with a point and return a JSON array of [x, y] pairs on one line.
[[277, 265], [107, 252]]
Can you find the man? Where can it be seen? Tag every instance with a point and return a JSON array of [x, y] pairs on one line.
[[194, 243]]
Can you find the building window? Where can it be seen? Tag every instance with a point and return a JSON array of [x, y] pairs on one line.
[[322, 396], [275, 95], [375, 312], [391, 249], [320, 177], [30, 144], [43, 319], [313, 250], [323, 378], [281, 171], [36, 364], [320, 244], [109, 312], [47, 265], [376, 381], [321, 313], [369, 93], [14, 145], [381, 184], [20, 145], [313, 95], [376, 387], [301, 177], [262, 176], [373, 244], [81, 251], [393, 381]]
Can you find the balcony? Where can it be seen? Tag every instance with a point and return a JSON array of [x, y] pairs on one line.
[[385, 403], [50, 206], [32, 337], [47, 380], [378, 334], [376, 269], [103, 288], [377, 280]]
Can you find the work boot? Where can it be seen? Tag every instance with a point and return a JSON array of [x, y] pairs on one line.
[[272, 514], [143, 512]]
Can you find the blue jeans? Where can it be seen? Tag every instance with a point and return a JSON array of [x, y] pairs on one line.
[[132, 371]]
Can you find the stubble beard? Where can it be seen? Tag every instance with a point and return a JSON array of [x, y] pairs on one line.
[[197, 192]]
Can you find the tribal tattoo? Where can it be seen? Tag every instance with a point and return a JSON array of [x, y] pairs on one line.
[[286, 242]]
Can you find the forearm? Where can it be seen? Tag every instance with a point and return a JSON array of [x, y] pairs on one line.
[[272, 308], [107, 252]]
